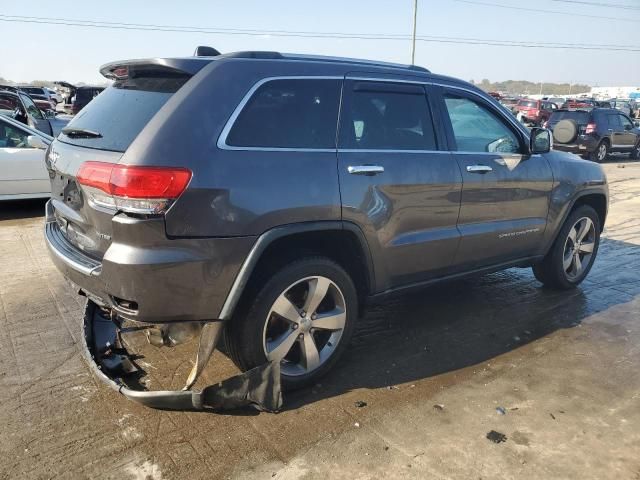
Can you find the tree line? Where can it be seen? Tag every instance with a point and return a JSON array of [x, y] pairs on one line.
[[531, 88]]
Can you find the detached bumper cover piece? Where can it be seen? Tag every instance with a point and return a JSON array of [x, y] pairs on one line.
[[258, 388]]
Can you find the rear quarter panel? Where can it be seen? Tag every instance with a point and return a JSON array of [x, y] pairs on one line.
[[235, 192]]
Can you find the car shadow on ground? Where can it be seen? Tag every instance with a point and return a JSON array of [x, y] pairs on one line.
[[22, 209], [455, 325]]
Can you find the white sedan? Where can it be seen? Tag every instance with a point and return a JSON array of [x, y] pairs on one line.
[[23, 173]]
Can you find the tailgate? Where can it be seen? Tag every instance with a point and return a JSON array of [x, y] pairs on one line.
[[102, 132], [87, 227]]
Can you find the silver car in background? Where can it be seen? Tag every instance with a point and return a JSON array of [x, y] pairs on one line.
[[23, 173]]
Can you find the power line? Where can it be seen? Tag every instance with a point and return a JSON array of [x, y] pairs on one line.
[[596, 4], [538, 10], [302, 34]]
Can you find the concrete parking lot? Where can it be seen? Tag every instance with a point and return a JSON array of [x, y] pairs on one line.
[[427, 377]]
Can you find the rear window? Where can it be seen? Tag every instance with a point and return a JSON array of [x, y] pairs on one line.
[[528, 103], [121, 111], [290, 113], [581, 118], [86, 94]]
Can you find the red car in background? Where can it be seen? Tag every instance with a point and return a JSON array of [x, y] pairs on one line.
[[43, 103], [535, 111], [572, 103]]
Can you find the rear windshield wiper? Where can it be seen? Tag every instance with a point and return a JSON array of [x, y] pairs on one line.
[[80, 133]]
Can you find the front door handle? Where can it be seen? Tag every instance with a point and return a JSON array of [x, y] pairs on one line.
[[479, 169], [365, 169]]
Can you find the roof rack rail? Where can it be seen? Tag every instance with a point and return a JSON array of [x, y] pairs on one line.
[[355, 61], [269, 55]]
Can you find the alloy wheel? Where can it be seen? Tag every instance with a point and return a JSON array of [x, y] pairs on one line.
[[602, 152], [578, 248], [304, 325]]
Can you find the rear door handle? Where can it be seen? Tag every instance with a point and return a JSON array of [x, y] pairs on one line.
[[365, 169], [479, 169]]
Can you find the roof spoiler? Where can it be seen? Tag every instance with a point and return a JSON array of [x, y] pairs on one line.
[[185, 66]]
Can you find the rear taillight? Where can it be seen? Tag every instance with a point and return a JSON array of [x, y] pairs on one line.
[[591, 128], [133, 189]]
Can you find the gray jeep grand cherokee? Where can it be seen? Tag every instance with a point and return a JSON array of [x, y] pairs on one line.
[[270, 196]]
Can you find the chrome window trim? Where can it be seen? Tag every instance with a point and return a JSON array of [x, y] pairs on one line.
[[386, 80], [222, 139], [382, 150], [495, 154]]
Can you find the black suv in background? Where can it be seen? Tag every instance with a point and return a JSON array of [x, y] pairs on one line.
[[594, 133], [272, 196]]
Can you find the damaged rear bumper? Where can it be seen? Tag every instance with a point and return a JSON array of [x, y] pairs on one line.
[[107, 355]]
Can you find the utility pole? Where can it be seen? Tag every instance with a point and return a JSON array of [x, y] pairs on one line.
[[413, 40]]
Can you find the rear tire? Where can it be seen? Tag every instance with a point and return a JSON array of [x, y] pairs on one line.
[[573, 252], [600, 153], [275, 326]]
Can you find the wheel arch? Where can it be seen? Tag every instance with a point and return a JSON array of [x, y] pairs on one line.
[[597, 201], [343, 242]]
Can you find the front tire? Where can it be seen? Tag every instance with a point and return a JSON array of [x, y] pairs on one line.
[[635, 153], [303, 316], [573, 252]]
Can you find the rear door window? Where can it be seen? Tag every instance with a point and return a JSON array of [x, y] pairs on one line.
[[289, 113], [123, 110], [387, 116]]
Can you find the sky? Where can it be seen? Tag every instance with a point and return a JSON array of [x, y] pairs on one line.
[[37, 51]]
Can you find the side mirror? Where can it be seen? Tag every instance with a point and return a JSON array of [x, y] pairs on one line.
[[540, 140], [637, 124], [36, 142]]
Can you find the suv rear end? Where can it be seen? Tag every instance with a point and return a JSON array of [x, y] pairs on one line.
[[529, 109], [574, 131], [107, 217]]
